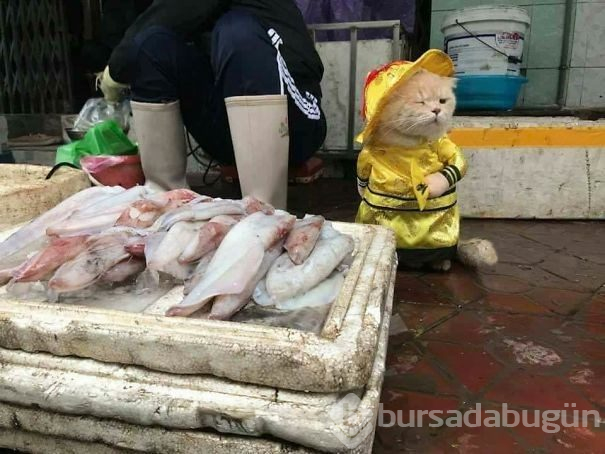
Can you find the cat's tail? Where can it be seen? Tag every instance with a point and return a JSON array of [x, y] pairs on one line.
[[477, 253]]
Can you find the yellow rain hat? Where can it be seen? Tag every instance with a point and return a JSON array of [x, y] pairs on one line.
[[384, 79]]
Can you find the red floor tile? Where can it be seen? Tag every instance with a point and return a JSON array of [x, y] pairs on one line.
[[534, 437], [472, 366], [590, 350], [563, 302], [410, 289], [590, 380], [586, 274], [503, 284], [552, 329], [407, 402], [526, 389], [538, 357], [595, 310], [456, 285], [421, 375], [465, 327], [420, 317], [512, 304], [480, 440], [579, 440]]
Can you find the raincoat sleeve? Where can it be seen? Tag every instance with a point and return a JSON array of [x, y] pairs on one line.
[[453, 159], [364, 168]]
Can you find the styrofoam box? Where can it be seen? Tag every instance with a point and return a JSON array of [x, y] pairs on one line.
[[81, 405], [339, 358]]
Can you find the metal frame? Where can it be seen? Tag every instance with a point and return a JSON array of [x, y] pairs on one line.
[[30, 82], [353, 27]]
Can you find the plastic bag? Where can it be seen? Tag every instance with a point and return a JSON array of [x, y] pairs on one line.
[[125, 171], [98, 110], [103, 139]]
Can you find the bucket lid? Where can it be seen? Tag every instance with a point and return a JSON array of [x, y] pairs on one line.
[[486, 13]]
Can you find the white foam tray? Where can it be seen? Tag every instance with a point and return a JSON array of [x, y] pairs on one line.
[[70, 402], [339, 358]]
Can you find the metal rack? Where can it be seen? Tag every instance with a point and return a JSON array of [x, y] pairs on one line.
[[354, 27], [35, 68]]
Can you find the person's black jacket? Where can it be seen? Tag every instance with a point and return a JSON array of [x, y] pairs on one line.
[[194, 19]]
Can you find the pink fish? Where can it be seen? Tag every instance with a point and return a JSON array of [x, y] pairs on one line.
[[36, 229], [236, 260], [100, 256], [198, 273], [208, 238], [124, 270], [143, 213], [97, 218], [136, 247], [302, 238], [225, 306], [45, 262]]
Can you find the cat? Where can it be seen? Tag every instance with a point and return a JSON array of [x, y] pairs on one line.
[[407, 175]]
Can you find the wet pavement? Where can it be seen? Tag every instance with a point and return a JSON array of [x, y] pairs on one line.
[[528, 333]]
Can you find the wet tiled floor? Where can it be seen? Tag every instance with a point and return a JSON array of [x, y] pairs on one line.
[[529, 333]]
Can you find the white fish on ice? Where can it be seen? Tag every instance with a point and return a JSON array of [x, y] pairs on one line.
[[237, 259], [224, 306], [36, 229], [100, 216], [90, 265], [286, 280], [303, 237], [163, 250]]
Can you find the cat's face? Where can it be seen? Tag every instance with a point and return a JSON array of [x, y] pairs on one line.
[[421, 107]]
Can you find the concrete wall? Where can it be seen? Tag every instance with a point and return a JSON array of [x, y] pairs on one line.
[[586, 77], [543, 47]]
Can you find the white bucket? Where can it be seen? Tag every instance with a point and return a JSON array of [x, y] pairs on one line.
[[486, 40]]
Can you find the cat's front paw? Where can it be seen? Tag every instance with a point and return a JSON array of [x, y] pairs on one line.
[[437, 184]]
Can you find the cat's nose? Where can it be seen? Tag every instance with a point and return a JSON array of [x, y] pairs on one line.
[[436, 110]]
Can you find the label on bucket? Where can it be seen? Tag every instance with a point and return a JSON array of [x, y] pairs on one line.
[[486, 54]]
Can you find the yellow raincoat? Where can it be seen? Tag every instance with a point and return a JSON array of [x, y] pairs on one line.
[[392, 178]]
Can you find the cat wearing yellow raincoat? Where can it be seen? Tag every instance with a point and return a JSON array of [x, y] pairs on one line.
[[408, 168]]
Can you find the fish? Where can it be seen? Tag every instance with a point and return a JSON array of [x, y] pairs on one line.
[[303, 237], [163, 251], [286, 280], [87, 267], [6, 275], [114, 203], [99, 217], [236, 260], [35, 231], [125, 269], [198, 273], [208, 210], [46, 262], [208, 238], [224, 306], [143, 213], [136, 247], [323, 293]]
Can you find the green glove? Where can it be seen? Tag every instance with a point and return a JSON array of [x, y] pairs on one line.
[[112, 90]]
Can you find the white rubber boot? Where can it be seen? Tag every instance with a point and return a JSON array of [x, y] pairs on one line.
[[259, 131], [161, 139]]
